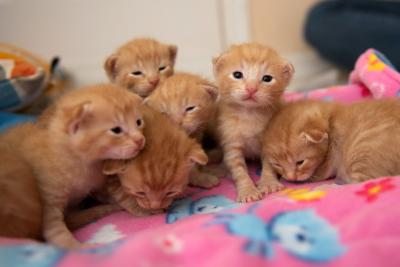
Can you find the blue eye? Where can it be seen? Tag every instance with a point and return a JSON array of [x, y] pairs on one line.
[[237, 75], [301, 237]]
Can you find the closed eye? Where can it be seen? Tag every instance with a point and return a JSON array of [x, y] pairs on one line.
[[299, 163], [190, 108], [171, 193], [139, 194], [162, 68]]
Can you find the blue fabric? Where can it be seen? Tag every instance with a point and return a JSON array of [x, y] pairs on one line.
[[340, 30], [8, 120]]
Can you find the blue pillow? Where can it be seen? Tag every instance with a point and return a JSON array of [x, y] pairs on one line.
[[8, 120]]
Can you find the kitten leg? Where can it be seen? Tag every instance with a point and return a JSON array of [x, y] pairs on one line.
[[200, 178], [55, 229], [236, 163], [268, 182], [79, 218]]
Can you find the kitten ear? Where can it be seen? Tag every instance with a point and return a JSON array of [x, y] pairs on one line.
[[314, 136], [287, 71], [197, 155], [112, 167], [217, 63], [211, 89], [173, 51], [76, 116], [110, 66]]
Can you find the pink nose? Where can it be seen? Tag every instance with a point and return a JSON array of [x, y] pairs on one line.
[[154, 82], [251, 90], [155, 204], [139, 142]]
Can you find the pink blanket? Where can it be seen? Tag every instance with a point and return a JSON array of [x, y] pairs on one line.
[[324, 223]]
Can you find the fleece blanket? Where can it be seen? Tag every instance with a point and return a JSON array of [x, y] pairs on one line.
[[305, 224]]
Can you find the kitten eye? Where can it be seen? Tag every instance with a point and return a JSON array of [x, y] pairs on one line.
[[171, 193], [162, 68], [136, 73], [190, 108], [116, 130], [267, 78], [237, 75], [139, 122], [300, 162], [140, 193]]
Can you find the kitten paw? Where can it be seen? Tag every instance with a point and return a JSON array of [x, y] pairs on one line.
[[249, 194], [270, 187], [205, 180]]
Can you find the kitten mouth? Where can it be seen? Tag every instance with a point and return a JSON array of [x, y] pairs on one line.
[[250, 98]]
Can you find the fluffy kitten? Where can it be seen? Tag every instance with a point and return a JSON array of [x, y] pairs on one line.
[[189, 100], [160, 172], [353, 142], [141, 64], [251, 78], [191, 103], [67, 145], [295, 142]]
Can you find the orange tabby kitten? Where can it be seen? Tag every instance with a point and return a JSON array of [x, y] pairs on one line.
[[191, 103], [251, 78], [358, 139], [67, 145], [295, 142], [141, 64], [160, 172]]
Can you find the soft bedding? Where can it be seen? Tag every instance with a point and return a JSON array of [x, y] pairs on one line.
[[320, 223]]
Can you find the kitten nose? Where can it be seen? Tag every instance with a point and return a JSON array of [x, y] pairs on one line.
[[290, 176], [155, 204], [139, 142], [251, 89], [154, 81]]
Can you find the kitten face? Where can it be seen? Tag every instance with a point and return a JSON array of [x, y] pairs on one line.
[[160, 172], [141, 65], [103, 122], [303, 156], [296, 141], [251, 75], [188, 99]]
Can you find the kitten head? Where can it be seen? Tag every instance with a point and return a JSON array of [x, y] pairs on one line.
[[251, 75], [187, 99], [98, 122], [160, 173], [141, 64], [296, 141]]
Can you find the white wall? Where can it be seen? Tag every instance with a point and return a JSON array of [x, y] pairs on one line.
[[84, 32]]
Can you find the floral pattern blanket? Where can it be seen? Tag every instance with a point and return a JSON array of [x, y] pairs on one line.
[[321, 223]]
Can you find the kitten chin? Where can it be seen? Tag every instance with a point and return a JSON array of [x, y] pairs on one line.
[[141, 64], [161, 172], [251, 79], [295, 143], [65, 147]]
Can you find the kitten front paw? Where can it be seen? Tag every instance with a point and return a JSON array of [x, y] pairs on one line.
[[249, 194], [270, 187], [205, 180]]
